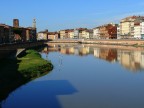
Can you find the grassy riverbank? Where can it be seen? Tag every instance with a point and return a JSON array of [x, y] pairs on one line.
[[15, 72], [32, 65]]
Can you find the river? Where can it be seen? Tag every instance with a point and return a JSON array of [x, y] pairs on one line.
[[85, 76]]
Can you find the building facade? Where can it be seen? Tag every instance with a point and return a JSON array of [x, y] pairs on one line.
[[139, 30], [71, 34], [42, 35], [96, 33], [108, 31], [118, 32], [76, 34], [127, 26], [53, 35]]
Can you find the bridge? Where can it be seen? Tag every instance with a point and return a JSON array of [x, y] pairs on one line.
[[7, 50], [19, 51]]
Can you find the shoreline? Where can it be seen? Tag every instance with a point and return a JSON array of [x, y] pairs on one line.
[[19, 71], [120, 42], [55, 46]]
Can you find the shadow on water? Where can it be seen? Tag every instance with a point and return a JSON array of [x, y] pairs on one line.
[[40, 94], [10, 77]]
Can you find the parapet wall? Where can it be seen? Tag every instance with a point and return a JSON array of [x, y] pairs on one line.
[[7, 49]]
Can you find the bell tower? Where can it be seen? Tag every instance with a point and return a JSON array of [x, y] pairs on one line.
[[34, 23]]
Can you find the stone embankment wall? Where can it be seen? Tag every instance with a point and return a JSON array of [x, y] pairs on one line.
[[104, 42]]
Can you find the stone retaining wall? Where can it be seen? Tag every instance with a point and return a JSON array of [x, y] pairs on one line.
[[104, 42]]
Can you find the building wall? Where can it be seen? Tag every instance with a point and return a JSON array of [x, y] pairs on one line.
[[142, 30], [127, 26], [23, 35], [118, 32], [53, 36], [42, 36], [142, 27], [76, 33], [1, 34], [71, 34], [11, 35], [84, 34], [27, 34], [103, 32], [4, 33], [96, 33], [62, 34], [137, 32]]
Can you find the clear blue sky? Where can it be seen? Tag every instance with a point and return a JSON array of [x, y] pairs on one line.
[[62, 14]]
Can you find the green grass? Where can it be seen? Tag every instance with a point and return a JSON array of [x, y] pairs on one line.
[[15, 72], [32, 64]]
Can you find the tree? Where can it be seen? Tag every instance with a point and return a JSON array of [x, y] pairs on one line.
[[17, 31]]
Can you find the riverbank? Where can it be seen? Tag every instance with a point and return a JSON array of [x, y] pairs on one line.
[[15, 72], [120, 42]]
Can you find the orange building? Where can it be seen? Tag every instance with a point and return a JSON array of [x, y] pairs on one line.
[[108, 31], [53, 35]]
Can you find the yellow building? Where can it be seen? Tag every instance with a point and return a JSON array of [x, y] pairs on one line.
[[62, 34], [71, 34], [85, 34]]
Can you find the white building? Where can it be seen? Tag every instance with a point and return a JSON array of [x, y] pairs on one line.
[[142, 30], [118, 32], [97, 52], [96, 33], [139, 30], [76, 34]]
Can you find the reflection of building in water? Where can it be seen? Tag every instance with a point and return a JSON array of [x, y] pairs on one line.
[[60, 60], [68, 50], [142, 60], [76, 51], [84, 51], [96, 52], [71, 50], [106, 54], [63, 50], [131, 60]]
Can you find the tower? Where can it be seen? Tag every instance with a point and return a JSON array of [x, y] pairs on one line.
[[15, 23], [34, 23]]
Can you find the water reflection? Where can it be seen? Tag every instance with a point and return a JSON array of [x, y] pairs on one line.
[[130, 58], [106, 54]]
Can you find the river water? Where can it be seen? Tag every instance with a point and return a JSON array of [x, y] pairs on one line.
[[85, 76]]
